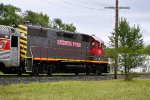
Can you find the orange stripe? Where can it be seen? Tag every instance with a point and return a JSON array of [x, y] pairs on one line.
[[104, 62], [45, 59], [56, 59]]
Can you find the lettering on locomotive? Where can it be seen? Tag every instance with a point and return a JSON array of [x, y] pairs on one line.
[[68, 43]]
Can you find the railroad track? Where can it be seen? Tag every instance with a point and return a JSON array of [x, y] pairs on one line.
[[13, 79]]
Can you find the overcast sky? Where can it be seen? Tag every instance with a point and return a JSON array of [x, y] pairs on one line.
[[89, 16]]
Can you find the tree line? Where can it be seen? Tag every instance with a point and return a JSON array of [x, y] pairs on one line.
[[10, 14]]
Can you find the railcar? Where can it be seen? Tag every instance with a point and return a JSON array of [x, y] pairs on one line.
[[37, 50]]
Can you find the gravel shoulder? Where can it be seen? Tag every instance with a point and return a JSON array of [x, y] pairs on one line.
[[13, 79]]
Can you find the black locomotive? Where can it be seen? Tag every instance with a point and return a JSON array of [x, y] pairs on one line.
[[42, 50]]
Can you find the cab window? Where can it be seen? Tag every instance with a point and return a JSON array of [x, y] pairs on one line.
[[93, 44], [100, 45], [14, 41]]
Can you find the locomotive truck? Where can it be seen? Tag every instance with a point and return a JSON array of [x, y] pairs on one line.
[[37, 50]]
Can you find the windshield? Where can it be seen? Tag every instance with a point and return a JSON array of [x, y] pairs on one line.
[[100, 45]]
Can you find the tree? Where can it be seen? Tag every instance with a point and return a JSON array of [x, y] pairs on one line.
[[60, 25], [130, 46], [37, 18], [147, 50], [109, 52], [70, 27], [8, 14]]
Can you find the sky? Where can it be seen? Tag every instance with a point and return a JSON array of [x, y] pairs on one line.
[[90, 16]]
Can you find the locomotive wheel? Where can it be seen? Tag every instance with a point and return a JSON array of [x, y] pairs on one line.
[[49, 70], [99, 73], [87, 70], [35, 70], [19, 71], [99, 70], [94, 71], [76, 73]]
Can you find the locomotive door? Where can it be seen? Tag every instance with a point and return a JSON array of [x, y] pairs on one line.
[[14, 52]]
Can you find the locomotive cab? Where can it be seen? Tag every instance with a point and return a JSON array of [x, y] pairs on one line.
[[96, 48], [9, 49]]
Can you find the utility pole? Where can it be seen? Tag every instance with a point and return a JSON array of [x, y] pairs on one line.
[[116, 41], [116, 34]]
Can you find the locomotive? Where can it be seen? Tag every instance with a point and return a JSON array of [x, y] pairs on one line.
[[38, 50]]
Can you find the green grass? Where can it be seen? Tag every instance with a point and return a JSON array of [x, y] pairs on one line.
[[138, 89]]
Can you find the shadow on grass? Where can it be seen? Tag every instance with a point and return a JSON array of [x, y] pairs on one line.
[[130, 76]]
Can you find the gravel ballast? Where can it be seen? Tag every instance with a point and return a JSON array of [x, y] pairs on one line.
[[13, 79]]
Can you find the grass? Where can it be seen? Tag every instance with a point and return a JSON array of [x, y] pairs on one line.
[[138, 89]]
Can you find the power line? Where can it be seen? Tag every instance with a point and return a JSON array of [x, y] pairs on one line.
[[55, 4], [100, 3], [86, 7], [71, 8], [93, 2]]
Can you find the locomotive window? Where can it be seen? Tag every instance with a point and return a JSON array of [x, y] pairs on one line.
[[100, 45], [75, 36], [93, 44], [69, 35], [14, 41], [85, 38], [59, 33]]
